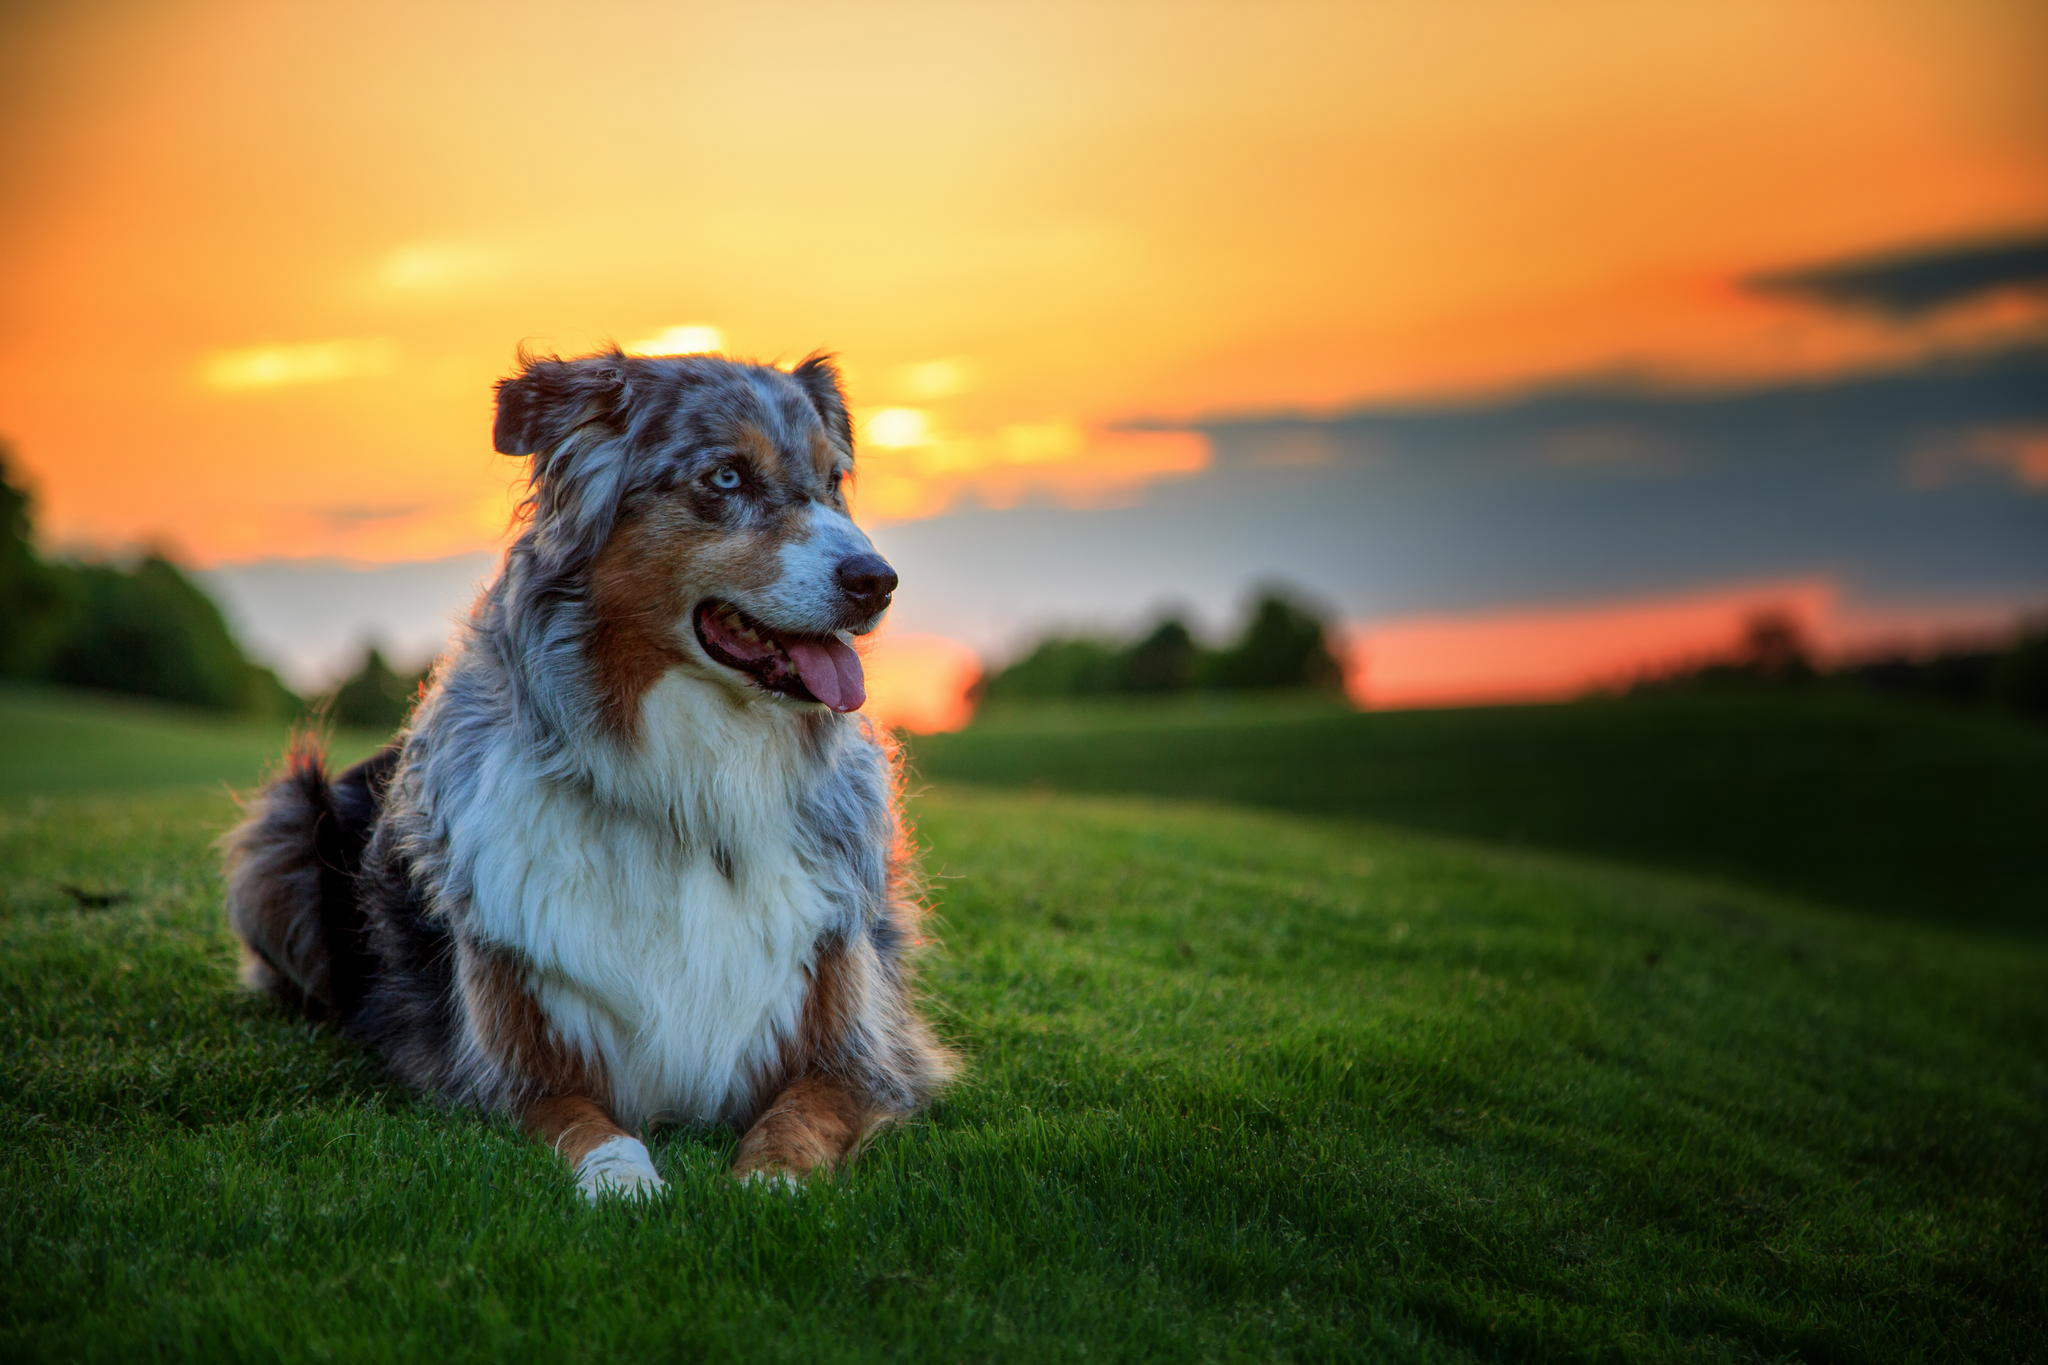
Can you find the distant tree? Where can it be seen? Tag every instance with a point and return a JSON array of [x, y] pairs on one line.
[[33, 597], [145, 628], [270, 696], [375, 696], [150, 630], [1772, 652], [1166, 660], [1285, 645], [1058, 666], [2020, 678], [1774, 647]]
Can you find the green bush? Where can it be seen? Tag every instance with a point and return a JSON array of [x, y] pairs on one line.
[[1285, 645], [375, 696], [33, 601], [145, 628]]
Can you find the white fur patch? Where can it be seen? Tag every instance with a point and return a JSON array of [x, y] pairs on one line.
[[619, 1166], [643, 952]]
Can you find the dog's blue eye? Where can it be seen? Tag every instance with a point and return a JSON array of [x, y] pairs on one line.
[[725, 478]]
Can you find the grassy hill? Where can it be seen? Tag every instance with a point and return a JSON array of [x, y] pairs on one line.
[[1887, 806], [57, 742], [1242, 1086]]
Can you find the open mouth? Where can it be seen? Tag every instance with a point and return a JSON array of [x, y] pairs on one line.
[[820, 668]]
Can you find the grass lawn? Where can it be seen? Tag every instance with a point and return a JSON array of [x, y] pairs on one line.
[[1242, 1085], [53, 743], [1870, 803]]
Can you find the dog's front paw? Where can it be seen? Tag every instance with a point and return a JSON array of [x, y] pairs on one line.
[[773, 1177], [619, 1168]]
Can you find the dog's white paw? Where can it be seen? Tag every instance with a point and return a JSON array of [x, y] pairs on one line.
[[619, 1168], [773, 1178]]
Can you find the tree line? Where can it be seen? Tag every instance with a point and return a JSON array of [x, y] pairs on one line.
[[1285, 644], [143, 627], [1773, 651]]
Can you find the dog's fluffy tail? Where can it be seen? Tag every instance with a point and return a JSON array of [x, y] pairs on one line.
[[291, 872]]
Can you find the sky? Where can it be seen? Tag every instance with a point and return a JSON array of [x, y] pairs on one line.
[[1536, 343]]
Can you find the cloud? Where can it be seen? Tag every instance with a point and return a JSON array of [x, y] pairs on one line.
[[1910, 285], [302, 362], [684, 338], [931, 380], [912, 468], [1598, 430], [1597, 489], [2015, 452], [427, 267], [350, 516]]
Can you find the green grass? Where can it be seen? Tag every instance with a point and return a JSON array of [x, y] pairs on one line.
[[57, 742], [1242, 1085], [1897, 808]]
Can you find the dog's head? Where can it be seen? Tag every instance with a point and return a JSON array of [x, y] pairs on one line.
[[701, 503]]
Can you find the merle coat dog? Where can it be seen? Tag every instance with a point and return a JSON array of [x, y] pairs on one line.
[[633, 858]]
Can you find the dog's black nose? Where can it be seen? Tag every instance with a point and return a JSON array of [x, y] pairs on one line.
[[867, 581]]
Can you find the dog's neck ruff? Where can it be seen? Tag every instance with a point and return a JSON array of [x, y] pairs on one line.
[[710, 762], [668, 912]]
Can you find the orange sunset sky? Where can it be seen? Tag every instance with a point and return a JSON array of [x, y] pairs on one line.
[[263, 262]]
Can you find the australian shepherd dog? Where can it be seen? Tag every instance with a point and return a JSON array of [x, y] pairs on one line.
[[632, 859]]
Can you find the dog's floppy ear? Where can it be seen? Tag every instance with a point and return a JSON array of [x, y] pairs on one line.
[[517, 430], [550, 398], [820, 380]]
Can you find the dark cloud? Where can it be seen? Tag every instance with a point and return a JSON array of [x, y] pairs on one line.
[[1594, 490], [1857, 425], [1912, 284]]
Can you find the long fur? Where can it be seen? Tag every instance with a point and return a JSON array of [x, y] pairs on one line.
[[291, 867], [633, 881]]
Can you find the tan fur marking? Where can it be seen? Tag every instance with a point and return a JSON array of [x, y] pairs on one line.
[[825, 1006], [758, 449], [569, 1113], [513, 1030], [818, 1027], [812, 1120], [813, 1125], [755, 559], [807, 1118], [824, 455], [636, 597], [571, 1124]]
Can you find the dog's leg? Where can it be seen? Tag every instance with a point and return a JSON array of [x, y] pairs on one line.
[[571, 1116], [813, 1125], [605, 1158]]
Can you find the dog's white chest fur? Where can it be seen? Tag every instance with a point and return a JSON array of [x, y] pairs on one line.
[[669, 922]]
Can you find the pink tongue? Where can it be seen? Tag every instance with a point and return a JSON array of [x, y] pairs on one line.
[[831, 670]]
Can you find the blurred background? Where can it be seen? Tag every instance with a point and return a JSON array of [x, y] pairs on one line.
[[1403, 354]]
